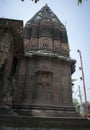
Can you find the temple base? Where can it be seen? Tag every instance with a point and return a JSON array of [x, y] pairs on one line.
[[38, 123], [47, 111]]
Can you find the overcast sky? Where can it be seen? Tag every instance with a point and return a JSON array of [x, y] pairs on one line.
[[77, 21]]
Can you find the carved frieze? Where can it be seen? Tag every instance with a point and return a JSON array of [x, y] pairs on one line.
[[33, 43], [56, 45], [64, 48]]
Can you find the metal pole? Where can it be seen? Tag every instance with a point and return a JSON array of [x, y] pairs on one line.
[[86, 104]]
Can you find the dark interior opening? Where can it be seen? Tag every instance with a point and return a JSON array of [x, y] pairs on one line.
[[14, 66]]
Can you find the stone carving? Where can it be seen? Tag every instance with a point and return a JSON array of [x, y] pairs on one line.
[[42, 86], [65, 81]]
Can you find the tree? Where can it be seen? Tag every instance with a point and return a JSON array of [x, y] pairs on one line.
[[79, 1], [33, 0], [75, 102]]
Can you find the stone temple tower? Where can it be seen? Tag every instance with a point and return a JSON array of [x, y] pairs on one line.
[[35, 75], [44, 86]]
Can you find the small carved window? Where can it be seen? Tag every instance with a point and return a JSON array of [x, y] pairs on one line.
[[43, 87], [45, 43], [43, 77]]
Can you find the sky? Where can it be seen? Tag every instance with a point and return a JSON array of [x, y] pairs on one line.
[[75, 17]]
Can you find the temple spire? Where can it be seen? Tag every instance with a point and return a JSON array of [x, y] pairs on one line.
[[46, 4]]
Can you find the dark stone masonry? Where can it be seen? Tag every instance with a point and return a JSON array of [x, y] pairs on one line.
[[35, 75]]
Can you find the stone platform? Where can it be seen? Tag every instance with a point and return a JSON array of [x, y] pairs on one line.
[[8, 122]]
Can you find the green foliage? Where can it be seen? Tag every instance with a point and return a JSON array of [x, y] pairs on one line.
[[75, 102], [73, 81], [79, 1], [35, 1]]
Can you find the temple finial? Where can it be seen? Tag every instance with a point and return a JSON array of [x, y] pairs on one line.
[[46, 4]]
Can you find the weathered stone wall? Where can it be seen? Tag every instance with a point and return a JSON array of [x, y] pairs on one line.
[[10, 51], [44, 84], [55, 75]]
